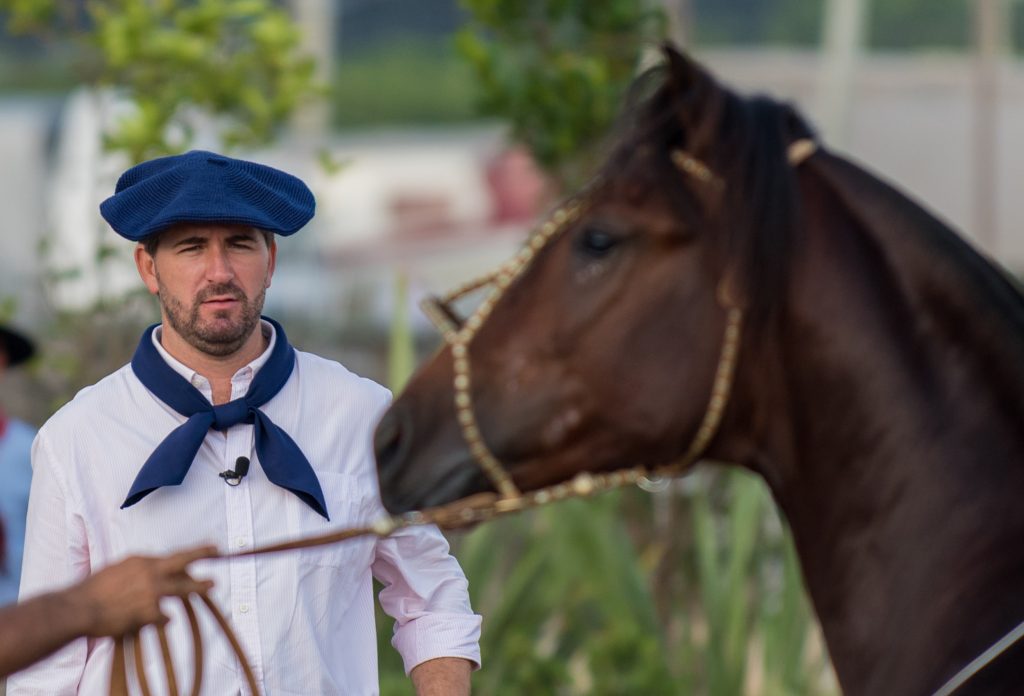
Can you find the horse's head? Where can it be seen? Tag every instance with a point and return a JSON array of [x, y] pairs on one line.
[[600, 346]]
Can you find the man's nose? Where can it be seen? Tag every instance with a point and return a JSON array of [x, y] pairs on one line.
[[218, 266]]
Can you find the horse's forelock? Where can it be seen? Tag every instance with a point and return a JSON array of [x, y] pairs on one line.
[[746, 149]]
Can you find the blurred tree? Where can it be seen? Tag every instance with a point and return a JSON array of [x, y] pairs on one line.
[[557, 70], [235, 63], [235, 60], [896, 24], [402, 81], [893, 24]]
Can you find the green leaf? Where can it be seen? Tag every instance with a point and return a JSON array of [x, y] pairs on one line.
[[401, 353]]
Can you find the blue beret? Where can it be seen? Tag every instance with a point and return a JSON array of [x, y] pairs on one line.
[[204, 187]]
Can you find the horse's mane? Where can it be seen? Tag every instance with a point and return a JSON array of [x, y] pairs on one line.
[[947, 249], [744, 141], [969, 297], [746, 149]]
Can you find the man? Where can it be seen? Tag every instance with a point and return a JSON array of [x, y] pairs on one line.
[[15, 471], [218, 430], [115, 601]]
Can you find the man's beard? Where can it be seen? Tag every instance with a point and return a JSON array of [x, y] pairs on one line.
[[215, 338]]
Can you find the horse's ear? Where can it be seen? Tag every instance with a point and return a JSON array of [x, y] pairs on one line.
[[696, 95], [697, 100], [684, 72]]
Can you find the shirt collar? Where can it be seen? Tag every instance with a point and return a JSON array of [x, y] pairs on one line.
[[247, 372]]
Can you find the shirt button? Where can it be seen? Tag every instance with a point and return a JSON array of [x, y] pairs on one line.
[[244, 608], [240, 542]]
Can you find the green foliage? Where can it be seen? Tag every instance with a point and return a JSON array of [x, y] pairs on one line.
[[401, 349], [794, 22], [32, 16], [236, 60], [724, 581], [557, 70], [938, 24], [403, 82], [564, 591], [898, 25], [8, 305], [597, 597], [77, 349]]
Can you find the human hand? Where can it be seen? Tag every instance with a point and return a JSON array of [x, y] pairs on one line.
[[124, 597]]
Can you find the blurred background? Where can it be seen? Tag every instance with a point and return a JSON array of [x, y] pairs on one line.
[[435, 133]]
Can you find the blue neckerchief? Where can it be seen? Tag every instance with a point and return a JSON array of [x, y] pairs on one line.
[[281, 459]]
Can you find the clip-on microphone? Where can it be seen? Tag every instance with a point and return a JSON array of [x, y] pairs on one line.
[[233, 477]]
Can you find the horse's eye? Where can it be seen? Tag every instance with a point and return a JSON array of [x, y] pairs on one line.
[[596, 242]]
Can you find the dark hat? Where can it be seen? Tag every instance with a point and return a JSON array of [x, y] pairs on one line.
[[201, 186], [17, 347]]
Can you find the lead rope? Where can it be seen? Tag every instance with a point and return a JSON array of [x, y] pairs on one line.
[[483, 506]]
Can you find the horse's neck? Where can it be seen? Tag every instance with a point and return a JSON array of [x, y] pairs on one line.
[[901, 454]]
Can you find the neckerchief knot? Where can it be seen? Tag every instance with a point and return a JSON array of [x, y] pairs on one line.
[[232, 413], [281, 459]]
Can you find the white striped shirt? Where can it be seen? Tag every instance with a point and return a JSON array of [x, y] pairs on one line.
[[305, 618]]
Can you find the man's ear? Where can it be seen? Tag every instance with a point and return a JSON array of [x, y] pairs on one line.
[[272, 248], [146, 266]]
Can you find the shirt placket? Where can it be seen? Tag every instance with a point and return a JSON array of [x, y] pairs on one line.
[[238, 506]]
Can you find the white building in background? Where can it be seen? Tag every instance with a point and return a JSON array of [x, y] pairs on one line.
[[25, 125], [82, 254], [425, 203]]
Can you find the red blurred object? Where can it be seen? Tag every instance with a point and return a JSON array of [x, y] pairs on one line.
[[517, 185]]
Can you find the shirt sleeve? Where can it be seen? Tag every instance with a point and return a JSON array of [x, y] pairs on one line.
[[56, 556], [427, 593]]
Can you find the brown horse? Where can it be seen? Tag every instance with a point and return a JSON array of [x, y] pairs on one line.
[[878, 385]]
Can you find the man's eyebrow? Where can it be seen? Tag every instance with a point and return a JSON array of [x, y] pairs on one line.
[[190, 241], [246, 236]]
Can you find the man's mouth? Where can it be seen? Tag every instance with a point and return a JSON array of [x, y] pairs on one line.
[[220, 302]]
